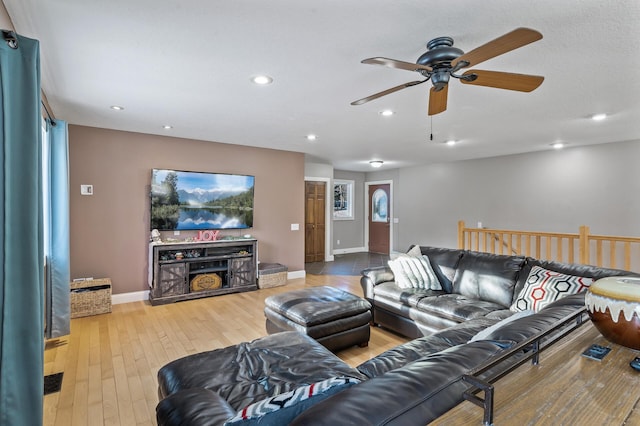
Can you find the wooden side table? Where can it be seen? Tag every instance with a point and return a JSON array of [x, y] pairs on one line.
[[564, 389]]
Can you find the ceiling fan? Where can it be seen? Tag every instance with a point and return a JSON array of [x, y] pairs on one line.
[[442, 61]]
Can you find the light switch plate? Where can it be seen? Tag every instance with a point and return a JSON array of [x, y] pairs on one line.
[[295, 226], [86, 189]]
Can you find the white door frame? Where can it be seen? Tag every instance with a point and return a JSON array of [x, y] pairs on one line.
[[366, 212], [328, 257]]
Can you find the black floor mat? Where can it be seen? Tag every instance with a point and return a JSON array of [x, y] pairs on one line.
[[52, 383]]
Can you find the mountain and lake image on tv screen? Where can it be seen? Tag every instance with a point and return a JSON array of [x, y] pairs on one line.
[[183, 200]]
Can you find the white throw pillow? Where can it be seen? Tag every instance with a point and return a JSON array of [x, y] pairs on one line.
[[414, 272], [415, 251]]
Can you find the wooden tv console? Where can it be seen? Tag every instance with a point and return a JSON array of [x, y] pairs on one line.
[[174, 267]]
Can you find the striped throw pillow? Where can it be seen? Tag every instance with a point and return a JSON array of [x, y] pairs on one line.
[[414, 272]]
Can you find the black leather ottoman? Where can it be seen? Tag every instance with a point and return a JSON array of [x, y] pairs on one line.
[[333, 317]]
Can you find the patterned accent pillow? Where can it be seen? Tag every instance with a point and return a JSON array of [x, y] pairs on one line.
[[282, 409], [414, 272], [544, 287]]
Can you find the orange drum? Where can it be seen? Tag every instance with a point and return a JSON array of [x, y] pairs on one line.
[[614, 307]]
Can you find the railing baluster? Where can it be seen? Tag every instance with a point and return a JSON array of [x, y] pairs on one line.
[[599, 253], [559, 249], [571, 243], [612, 254]]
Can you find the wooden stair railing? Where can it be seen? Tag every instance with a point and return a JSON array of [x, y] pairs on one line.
[[582, 247]]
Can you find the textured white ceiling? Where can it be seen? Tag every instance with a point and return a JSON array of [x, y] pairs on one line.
[[188, 63]]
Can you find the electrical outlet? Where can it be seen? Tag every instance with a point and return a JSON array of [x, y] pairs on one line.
[[338, 242]]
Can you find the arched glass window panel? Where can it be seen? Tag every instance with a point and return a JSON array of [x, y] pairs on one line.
[[379, 202]]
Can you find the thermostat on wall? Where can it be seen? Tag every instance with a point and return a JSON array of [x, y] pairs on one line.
[[86, 189]]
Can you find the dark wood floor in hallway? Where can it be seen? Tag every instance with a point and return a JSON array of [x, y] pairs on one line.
[[347, 264]]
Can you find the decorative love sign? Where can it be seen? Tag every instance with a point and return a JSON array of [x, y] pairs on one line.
[[207, 235]]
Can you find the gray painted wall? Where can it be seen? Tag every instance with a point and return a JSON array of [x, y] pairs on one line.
[[350, 233], [321, 170], [555, 191]]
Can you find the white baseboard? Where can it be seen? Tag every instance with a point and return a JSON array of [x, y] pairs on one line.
[[136, 296], [296, 274], [141, 296], [350, 250]]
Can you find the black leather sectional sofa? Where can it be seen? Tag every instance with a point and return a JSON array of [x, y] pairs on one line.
[[411, 384], [474, 285]]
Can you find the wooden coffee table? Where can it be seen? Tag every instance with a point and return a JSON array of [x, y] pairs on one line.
[[564, 389]]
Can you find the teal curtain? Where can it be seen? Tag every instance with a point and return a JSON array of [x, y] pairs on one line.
[[57, 304], [21, 251]]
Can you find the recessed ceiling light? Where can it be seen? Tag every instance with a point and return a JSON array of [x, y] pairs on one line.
[[311, 137], [598, 117], [376, 164], [117, 108], [450, 142], [262, 79], [557, 145], [167, 127], [386, 112]]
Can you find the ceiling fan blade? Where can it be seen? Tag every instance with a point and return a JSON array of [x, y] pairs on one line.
[[386, 92], [504, 80], [506, 43], [438, 100], [392, 63]]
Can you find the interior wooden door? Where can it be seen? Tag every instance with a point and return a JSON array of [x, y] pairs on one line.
[[314, 213], [379, 219]]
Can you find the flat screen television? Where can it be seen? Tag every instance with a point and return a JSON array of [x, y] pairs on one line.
[[183, 200]]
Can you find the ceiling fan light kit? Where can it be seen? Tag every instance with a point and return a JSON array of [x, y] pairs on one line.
[[443, 61]]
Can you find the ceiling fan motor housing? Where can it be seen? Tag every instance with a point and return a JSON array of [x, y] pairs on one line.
[[439, 55], [441, 52]]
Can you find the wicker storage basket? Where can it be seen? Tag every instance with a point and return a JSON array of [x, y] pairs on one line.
[[271, 275], [206, 282], [90, 297]]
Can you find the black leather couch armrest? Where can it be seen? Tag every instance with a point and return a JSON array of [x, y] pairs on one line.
[[194, 407], [371, 277]]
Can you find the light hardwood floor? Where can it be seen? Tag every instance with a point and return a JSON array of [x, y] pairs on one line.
[[564, 389], [110, 361]]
